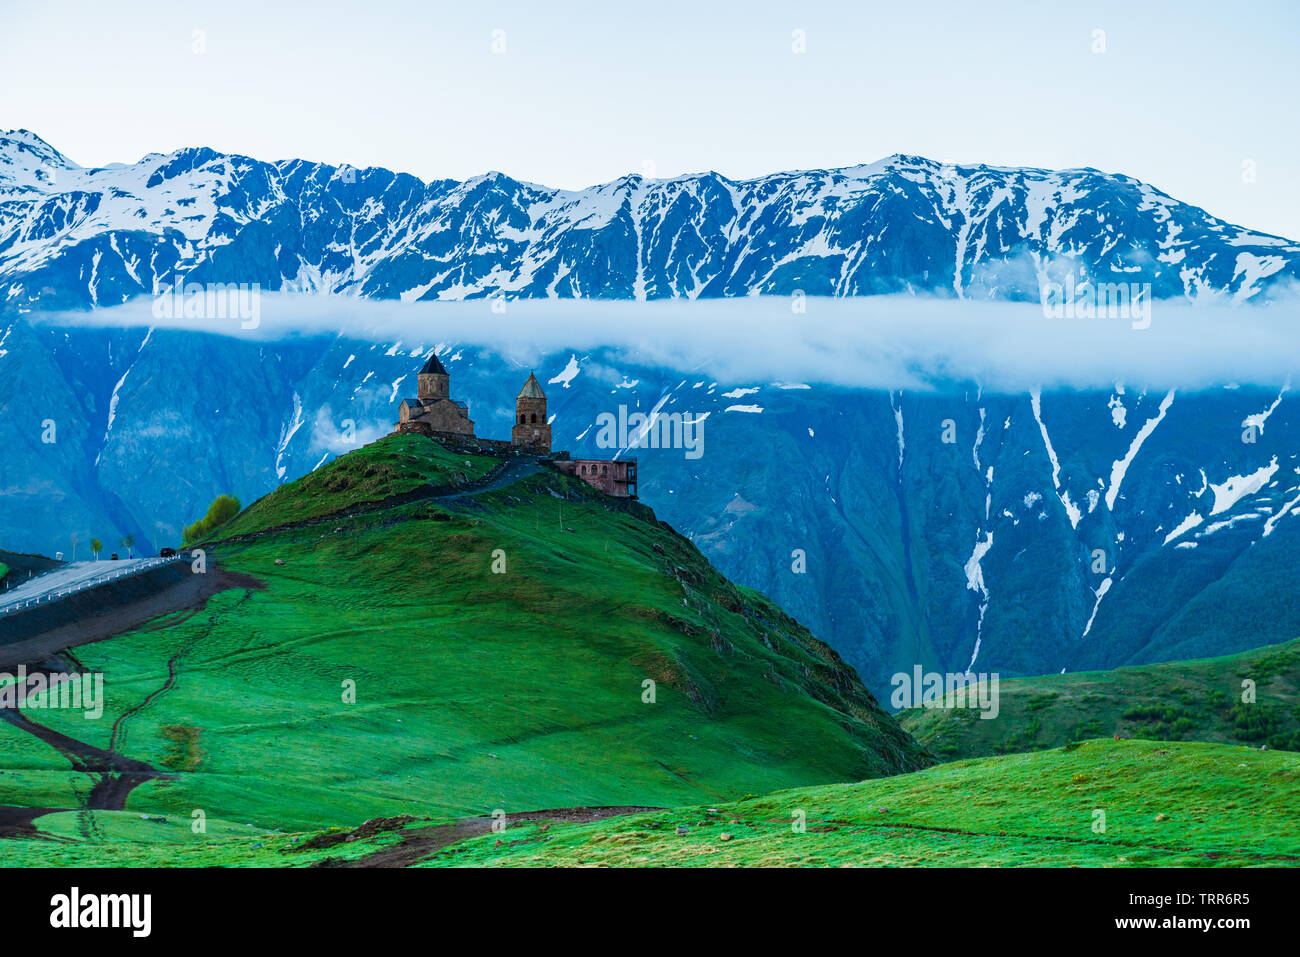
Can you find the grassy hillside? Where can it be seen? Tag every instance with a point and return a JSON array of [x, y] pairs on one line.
[[1020, 810], [1199, 700], [392, 466], [1175, 804], [474, 690]]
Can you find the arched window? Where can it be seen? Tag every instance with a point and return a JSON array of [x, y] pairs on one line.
[[521, 418], [534, 417], [604, 470]]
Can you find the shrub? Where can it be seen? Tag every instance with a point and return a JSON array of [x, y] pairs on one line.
[[222, 510]]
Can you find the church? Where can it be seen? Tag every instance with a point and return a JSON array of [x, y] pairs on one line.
[[433, 412]]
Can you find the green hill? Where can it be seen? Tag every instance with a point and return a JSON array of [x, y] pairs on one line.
[[1198, 700], [394, 466], [502, 648], [1019, 810], [1100, 803]]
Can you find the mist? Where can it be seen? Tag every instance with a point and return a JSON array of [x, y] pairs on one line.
[[885, 342]]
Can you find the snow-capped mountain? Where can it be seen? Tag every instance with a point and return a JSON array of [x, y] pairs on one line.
[[77, 238]]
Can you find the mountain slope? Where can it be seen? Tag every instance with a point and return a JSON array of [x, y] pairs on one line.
[[1036, 810], [476, 689], [78, 238], [1198, 700]]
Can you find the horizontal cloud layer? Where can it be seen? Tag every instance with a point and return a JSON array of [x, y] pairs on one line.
[[877, 342]]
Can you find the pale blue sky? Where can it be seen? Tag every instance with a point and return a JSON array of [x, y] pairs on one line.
[[586, 91]]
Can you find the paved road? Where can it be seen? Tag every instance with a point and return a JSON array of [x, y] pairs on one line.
[[514, 471], [72, 578], [78, 576]]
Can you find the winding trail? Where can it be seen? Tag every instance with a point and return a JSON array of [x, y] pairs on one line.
[[420, 844]]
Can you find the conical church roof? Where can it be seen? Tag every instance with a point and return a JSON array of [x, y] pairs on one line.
[[434, 366], [532, 389]]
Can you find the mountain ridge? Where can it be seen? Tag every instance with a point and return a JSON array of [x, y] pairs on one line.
[[76, 238]]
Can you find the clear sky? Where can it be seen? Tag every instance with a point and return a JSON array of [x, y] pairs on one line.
[[1183, 95]]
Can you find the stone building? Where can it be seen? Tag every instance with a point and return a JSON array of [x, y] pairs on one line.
[[435, 413], [531, 430], [433, 409], [611, 476]]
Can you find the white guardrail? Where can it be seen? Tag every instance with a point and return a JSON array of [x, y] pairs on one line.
[[85, 584]]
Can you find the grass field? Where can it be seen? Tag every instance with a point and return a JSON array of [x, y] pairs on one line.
[[1176, 804], [1198, 700], [391, 466], [1195, 805], [474, 690], [495, 654]]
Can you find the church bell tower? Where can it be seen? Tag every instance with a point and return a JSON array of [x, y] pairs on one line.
[[531, 430]]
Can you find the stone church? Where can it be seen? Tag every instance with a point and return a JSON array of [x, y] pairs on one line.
[[435, 413], [433, 410]]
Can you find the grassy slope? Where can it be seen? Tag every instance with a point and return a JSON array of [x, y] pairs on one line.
[[391, 466], [1165, 805], [1175, 804], [1197, 700], [475, 691]]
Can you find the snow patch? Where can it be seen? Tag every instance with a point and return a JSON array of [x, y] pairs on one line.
[[1237, 487], [1120, 468], [1186, 525], [568, 374]]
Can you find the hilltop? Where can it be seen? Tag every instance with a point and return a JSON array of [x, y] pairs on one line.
[[1196, 700], [517, 646]]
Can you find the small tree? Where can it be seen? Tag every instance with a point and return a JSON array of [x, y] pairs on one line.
[[222, 510], [128, 542], [96, 546]]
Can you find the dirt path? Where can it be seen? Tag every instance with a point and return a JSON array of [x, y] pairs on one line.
[[418, 845], [118, 774]]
